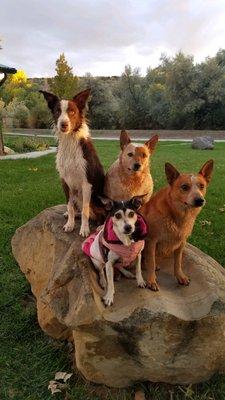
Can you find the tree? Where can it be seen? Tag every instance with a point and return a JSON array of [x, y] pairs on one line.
[[17, 85], [103, 105], [182, 89], [132, 97], [212, 92], [64, 84]]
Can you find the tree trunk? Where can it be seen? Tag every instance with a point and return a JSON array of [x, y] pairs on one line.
[[1, 140]]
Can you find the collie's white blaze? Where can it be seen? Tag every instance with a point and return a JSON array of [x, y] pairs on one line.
[[64, 118]]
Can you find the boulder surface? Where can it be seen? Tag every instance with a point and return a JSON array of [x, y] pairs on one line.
[[203, 143], [176, 335]]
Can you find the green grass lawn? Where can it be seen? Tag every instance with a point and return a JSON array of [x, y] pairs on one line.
[[28, 358]]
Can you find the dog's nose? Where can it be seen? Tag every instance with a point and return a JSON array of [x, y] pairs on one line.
[[127, 228], [199, 201], [64, 125], [136, 166]]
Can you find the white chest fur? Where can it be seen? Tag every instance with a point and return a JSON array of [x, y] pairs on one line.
[[70, 162]]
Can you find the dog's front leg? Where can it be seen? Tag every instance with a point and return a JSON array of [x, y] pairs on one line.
[[69, 226], [140, 281], [150, 264], [178, 272], [86, 195], [109, 296]]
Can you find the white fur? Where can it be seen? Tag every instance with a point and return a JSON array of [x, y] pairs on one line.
[[119, 224], [72, 168], [112, 258], [194, 190], [64, 115]]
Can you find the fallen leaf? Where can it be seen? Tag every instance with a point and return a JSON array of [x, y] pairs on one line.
[[204, 222], [33, 169], [62, 376], [53, 386], [222, 209]]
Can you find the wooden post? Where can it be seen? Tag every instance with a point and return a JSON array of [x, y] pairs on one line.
[[1, 139], [1, 123]]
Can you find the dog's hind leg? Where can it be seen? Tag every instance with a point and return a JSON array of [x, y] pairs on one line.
[[140, 281], [127, 274], [86, 194], [178, 272], [101, 270], [150, 264]]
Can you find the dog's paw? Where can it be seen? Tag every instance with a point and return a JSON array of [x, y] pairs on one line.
[[108, 300], [183, 279], [141, 283], [65, 214], [68, 227], [84, 230], [153, 285]]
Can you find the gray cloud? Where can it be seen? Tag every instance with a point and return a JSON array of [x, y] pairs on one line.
[[101, 36]]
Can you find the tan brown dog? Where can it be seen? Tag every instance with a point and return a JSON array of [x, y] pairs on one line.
[[170, 215], [130, 176]]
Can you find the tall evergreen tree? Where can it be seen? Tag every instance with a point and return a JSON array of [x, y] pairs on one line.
[[64, 84]]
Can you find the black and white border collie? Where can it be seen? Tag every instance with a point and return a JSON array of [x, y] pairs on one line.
[[80, 170]]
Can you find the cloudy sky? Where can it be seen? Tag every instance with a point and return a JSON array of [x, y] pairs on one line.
[[102, 36]]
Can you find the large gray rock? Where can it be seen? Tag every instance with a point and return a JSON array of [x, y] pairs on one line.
[[176, 335], [203, 143]]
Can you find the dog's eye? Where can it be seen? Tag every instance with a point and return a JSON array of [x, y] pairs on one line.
[[118, 216], [71, 112], [130, 154], [185, 187], [131, 214], [201, 185], [144, 155]]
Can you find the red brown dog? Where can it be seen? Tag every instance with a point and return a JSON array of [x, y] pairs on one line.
[[170, 215]]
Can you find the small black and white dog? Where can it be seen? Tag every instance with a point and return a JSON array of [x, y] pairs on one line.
[[118, 244], [80, 170]]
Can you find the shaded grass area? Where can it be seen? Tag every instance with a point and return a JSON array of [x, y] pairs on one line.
[[28, 358]]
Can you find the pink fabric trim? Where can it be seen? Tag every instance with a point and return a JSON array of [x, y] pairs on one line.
[[86, 245]]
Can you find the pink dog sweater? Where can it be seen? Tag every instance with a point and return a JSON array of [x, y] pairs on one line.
[[104, 238]]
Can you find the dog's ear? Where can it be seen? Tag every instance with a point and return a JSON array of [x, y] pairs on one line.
[[137, 201], [207, 170], [171, 173], [152, 143], [81, 99], [124, 139], [107, 203], [51, 98]]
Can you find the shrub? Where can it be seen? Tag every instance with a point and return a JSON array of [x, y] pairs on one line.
[[25, 145]]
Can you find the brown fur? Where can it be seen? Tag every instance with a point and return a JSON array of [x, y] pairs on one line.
[[80, 170], [122, 182], [76, 107], [171, 214]]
